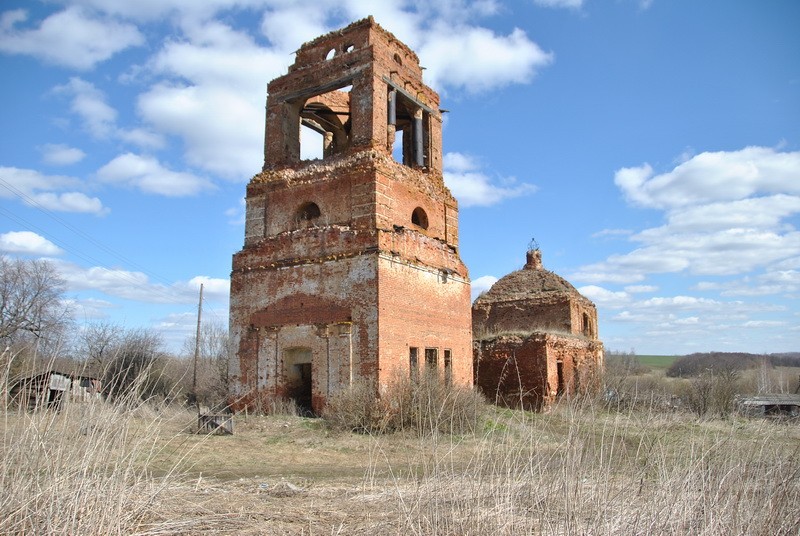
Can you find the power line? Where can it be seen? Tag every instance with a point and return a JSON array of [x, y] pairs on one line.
[[162, 289], [29, 200]]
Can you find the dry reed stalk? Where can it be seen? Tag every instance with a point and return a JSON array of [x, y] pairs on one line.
[[83, 469], [634, 473]]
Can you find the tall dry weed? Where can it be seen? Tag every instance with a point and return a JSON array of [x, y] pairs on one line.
[[83, 469], [582, 470]]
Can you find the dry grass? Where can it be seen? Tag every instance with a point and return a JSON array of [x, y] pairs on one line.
[[580, 469], [576, 470], [83, 470]]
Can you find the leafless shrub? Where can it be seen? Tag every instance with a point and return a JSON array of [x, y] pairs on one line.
[[712, 393], [208, 386], [357, 408], [31, 305], [426, 406], [626, 388]]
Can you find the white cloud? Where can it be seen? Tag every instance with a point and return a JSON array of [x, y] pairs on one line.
[[603, 297], [229, 144], [149, 176], [713, 176], [89, 103], [475, 59], [612, 233], [727, 213], [211, 67], [472, 187], [28, 243], [604, 273], [289, 27], [36, 189], [142, 137], [100, 119], [71, 38], [210, 94], [763, 324], [214, 54], [150, 10], [678, 312], [236, 215], [70, 202], [753, 213], [90, 308], [640, 289], [679, 303], [137, 286], [772, 282], [482, 284], [61, 155], [214, 288]]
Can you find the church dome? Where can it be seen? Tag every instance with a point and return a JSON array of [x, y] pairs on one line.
[[532, 282]]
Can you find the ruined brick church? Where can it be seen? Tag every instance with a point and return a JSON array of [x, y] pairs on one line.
[[350, 269], [535, 338]]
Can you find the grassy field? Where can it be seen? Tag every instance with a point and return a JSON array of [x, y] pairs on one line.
[[579, 469], [657, 361]]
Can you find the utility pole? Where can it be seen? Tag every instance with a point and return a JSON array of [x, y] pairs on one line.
[[197, 350]]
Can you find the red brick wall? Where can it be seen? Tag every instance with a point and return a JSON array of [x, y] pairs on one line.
[[523, 371], [420, 308]]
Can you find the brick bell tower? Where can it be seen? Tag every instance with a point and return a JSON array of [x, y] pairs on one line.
[[350, 268]]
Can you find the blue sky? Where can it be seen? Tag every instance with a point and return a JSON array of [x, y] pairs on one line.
[[651, 147]]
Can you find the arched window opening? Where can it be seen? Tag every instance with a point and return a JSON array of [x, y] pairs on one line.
[[331, 53], [308, 212], [419, 218], [325, 124], [349, 48], [398, 59], [587, 326]]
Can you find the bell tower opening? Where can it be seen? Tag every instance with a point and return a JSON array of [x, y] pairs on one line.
[[325, 124], [409, 129]]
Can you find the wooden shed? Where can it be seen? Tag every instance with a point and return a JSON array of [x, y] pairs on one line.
[[52, 389], [770, 405]]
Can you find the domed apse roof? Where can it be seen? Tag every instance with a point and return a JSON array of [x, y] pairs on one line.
[[533, 281]]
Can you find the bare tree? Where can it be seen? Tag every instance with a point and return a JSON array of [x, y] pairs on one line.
[[31, 300], [98, 344], [136, 367], [212, 366]]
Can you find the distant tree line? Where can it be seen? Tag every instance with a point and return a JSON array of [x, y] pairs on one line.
[[693, 365]]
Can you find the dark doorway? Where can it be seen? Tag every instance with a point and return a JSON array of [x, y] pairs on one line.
[[302, 394], [299, 376], [560, 372]]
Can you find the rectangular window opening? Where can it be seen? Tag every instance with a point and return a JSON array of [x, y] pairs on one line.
[[431, 359], [413, 362], [448, 367]]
